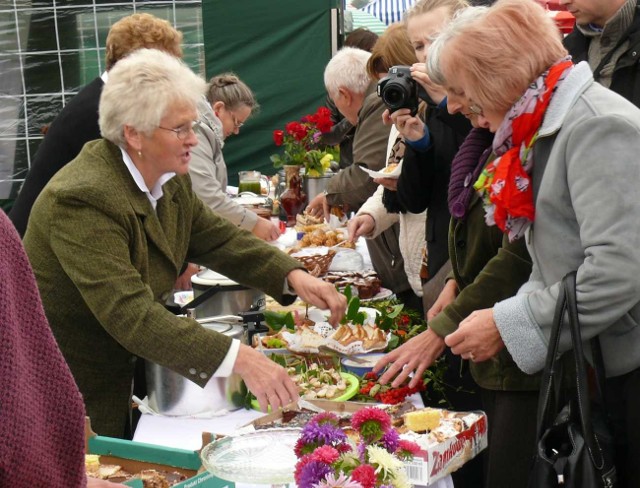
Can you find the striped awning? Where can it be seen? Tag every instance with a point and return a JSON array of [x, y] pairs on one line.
[[388, 11], [357, 18]]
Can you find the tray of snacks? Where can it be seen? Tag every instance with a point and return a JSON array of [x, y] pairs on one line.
[[317, 378]]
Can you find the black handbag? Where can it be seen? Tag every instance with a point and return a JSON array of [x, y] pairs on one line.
[[574, 442]]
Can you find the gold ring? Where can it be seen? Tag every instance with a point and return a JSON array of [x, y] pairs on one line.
[[472, 357]]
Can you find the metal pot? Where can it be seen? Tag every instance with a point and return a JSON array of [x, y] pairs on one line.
[[170, 393], [314, 185], [215, 294]]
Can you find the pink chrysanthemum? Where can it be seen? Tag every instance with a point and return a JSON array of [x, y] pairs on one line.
[[371, 422], [325, 454], [326, 418], [365, 474], [341, 481], [407, 449]]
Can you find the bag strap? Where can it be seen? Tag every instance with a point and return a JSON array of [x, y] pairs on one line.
[[551, 377], [582, 387]]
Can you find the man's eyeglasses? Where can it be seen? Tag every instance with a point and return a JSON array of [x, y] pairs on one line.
[[183, 131]]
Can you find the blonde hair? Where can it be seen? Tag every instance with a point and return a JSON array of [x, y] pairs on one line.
[[497, 53], [141, 89], [232, 91], [426, 6], [347, 69], [141, 31], [393, 48]]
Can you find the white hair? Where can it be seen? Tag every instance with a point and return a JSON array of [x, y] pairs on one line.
[[141, 89], [453, 29], [347, 69]]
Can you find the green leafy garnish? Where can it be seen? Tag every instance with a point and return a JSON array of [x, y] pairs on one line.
[[277, 320]]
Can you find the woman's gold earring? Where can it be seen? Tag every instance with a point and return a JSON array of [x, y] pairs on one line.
[[139, 154]]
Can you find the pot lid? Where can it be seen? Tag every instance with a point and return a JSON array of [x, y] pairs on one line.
[[208, 277]]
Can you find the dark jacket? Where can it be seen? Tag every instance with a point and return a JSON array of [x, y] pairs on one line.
[[105, 263], [352, 186], [424, 181], [70, 130], [625, 79], [487, 268]]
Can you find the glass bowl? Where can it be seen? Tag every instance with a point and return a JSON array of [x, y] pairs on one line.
[[264, 457]]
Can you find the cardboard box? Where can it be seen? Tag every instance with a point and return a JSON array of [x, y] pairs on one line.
[[137, 456], [444, 458], [432, 463]]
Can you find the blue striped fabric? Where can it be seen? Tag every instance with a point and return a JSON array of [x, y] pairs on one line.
[[389, 11]]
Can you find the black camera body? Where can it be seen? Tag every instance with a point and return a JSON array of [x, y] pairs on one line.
[[399, 90]]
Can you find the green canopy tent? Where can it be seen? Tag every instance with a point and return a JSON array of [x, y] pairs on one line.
[[280, 50]]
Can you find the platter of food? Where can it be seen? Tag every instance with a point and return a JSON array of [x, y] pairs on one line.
[[391, 171], [316, 381]]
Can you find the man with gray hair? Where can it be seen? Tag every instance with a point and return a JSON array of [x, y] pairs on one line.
[[354, 94]]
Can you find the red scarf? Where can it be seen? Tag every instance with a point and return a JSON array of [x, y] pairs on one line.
[[506, 182]]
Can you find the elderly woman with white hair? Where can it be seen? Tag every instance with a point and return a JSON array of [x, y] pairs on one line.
[[566, 180], [109, 233]]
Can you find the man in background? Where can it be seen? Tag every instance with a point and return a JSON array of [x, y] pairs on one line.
[[607, 36]]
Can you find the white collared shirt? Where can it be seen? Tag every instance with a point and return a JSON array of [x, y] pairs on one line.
[[226, 367], [156, 192]]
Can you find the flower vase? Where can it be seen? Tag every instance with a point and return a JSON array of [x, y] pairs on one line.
[[314, 185], [293, 199]]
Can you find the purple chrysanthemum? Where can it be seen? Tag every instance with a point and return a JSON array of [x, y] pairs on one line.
[[390, 440], [322, 434], [312, 473]]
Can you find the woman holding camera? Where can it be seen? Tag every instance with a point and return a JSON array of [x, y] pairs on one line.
[[432, 140]]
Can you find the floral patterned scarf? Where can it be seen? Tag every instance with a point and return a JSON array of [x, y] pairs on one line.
[[505, 184]]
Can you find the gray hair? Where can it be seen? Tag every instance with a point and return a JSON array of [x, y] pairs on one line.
[[347, 69], [140, 90], [453, 29]]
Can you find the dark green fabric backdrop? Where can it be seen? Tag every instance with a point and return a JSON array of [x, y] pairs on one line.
[[279, 48]]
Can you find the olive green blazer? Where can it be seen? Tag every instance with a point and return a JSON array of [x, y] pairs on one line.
[[105, 263]]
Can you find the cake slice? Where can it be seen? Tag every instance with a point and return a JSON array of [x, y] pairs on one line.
[[423, 420]]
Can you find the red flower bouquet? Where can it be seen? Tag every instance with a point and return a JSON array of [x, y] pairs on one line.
[[327, 459], [302, 145]]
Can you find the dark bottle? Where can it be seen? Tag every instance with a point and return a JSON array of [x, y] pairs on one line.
[[293, 199]]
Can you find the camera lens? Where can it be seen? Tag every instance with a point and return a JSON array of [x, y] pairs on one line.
[[394, 96]]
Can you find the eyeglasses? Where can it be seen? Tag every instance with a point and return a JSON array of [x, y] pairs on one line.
[[183, 131], [236, 124], [476, 109]]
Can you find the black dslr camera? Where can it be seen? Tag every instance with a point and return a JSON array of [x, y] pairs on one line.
[[399, 90]]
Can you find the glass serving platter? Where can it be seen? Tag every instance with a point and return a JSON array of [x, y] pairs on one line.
[[263, 457]]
